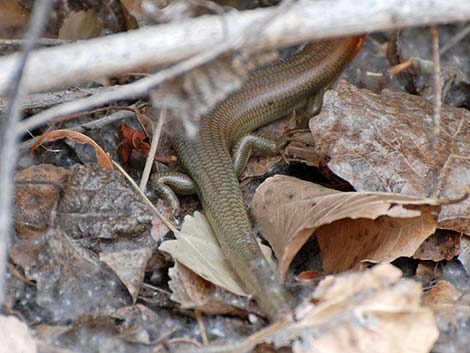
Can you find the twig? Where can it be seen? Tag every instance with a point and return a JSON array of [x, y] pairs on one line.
[[165, 44], [437, 106], [48, 99], [455, 39], [46, 42], [146, 200], [202, 327], [153, 150], [99, 123], [132, 90], [8, 136], [183, 340], [142, 87]]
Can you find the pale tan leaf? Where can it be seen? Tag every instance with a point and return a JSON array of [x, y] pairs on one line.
[[372, 311], [197, 248], [129, 266], [383, 143], [80, 25], [360, 312], [15, 336], [350, 226], [194, 292]]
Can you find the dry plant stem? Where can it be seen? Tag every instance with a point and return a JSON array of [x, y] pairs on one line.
[[153, 151], [8, 136], [48, 99], [437, 87], [146, 200], [45, 42], [132, 90], [161, 45], [141, 87], [202, 327], [457, 38], [97, 124]]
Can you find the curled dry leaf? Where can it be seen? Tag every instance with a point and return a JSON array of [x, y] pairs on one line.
[[135, 140], [103, 159], [197, 248], [442, 245], [361, 312], [194, 292], [371, 311], [383, 143], [350, 226]]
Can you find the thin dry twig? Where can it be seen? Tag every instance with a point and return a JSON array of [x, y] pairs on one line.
[[132, 90], [95, 124], [437, 87], [8, 137], [455, 40], [170, 43], [153, 151], [142, 87], [164, 220], [202, 327], [48, 99]]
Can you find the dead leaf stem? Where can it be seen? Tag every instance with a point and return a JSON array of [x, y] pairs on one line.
[[153, 151]]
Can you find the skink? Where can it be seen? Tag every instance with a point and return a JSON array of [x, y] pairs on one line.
[[268, 94]]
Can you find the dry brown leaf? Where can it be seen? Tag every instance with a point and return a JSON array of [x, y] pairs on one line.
[[70, 280], [443, 300], [385, 315], [38, 188], [197, 248], [15, 336], [350, 226], [80, 25], [129, 266], [361, 312], [13, 19], [427, 272], [442, 245], [103, 159], [382, 143], [194, 292]]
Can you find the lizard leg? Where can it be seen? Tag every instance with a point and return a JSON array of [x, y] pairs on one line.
[[168, 184], [252, 143], [313, 105]]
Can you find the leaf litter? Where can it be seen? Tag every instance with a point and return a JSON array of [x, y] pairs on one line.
[[86, 236]]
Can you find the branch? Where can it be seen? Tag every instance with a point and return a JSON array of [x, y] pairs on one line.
[[149, 47], [8, 137]]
